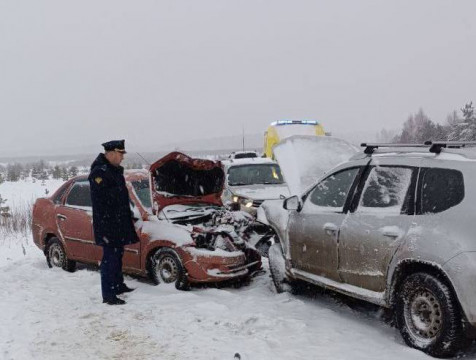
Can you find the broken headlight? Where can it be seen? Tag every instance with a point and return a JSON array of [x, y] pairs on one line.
[[242, 201]]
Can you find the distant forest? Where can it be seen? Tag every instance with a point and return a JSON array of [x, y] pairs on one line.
[[42, 170], [419, 128]]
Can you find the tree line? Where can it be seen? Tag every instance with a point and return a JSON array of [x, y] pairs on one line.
[[41, 170], [38, 171], [419, 128]]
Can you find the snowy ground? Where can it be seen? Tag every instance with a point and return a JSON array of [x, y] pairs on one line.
[[20, 193], [52, 314]]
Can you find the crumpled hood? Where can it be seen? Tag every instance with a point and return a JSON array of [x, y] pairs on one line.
[[260, 191], [304, 159], [179, 179]]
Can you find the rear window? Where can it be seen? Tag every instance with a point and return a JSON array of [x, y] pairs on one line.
[[441, 189], [80, 195], [59, 196]]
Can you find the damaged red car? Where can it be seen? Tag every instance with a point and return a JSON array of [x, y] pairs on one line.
[[186, 234]]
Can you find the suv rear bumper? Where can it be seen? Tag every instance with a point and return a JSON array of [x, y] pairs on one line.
[[461, 270]]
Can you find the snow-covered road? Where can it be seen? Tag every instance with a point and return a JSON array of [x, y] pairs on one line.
[[52, 314]]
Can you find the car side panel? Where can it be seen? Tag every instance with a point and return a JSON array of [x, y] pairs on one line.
[[461, 270], [43, 221], [75, 227]]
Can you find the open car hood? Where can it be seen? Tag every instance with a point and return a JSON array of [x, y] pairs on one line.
[[304, 159], [179, 179]]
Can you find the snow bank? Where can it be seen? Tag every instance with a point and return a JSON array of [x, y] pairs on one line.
[[25, 192]]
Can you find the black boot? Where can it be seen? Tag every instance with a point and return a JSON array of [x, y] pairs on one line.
[[124, 289], [114, 301]]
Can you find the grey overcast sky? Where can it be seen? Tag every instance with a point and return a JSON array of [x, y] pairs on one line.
[[75, 73]]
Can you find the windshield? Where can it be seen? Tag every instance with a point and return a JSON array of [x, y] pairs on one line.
[[141, 187], [255, 174]]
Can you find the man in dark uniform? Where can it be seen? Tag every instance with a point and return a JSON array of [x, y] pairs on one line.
[[112, 218]]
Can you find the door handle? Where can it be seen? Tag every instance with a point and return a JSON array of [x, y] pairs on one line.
[[331, 229], [391, 233], [61, 217]]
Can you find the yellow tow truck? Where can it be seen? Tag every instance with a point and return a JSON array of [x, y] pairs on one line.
[[281, 129]]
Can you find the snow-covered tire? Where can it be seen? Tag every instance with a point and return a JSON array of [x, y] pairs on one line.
[[166, 267], [56, 256], [263, 247], [429, 317], [278, 269]]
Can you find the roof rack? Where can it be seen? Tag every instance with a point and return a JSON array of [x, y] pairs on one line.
[[370, 147], [434, 146]]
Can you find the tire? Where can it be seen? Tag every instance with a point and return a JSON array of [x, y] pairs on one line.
[[253, 255], [429, 317], [263, 247], [278, 270], [166, 267], [56, 256]]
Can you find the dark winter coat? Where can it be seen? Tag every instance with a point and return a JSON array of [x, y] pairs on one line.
[[112, 217]]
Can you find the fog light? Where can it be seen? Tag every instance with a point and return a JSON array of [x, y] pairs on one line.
[[249, 204], [235, 198]]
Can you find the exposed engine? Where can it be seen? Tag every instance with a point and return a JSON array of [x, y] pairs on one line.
[[212, 227]]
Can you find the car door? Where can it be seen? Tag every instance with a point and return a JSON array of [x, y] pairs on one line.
[[131, 259], [140, 198], [74, 219], [378, 221], [313, 231]]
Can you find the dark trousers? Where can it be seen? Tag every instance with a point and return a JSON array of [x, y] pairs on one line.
[[111, 271]]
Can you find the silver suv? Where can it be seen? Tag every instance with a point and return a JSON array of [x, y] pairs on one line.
[[395, 226]]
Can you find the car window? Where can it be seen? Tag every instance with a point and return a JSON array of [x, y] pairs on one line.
[[255, 174], [142, 190], [80, 195], [332, 192], [441, 189], [385, 189]]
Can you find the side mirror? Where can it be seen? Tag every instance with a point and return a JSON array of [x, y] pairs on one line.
[[292, 203]]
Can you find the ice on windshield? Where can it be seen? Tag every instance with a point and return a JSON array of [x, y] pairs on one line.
[[255, 174], [385, 189]]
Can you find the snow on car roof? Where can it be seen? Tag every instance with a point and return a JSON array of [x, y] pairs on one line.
[[243, 154], [247, 161]]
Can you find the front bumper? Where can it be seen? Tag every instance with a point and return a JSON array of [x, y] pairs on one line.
[[204, 266]]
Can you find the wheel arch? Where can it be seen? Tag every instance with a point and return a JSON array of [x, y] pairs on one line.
[[155, 246], [408, 267], [46, 239]]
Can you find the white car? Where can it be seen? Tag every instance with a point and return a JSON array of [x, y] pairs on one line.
[[244, 154], [251, 181]]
